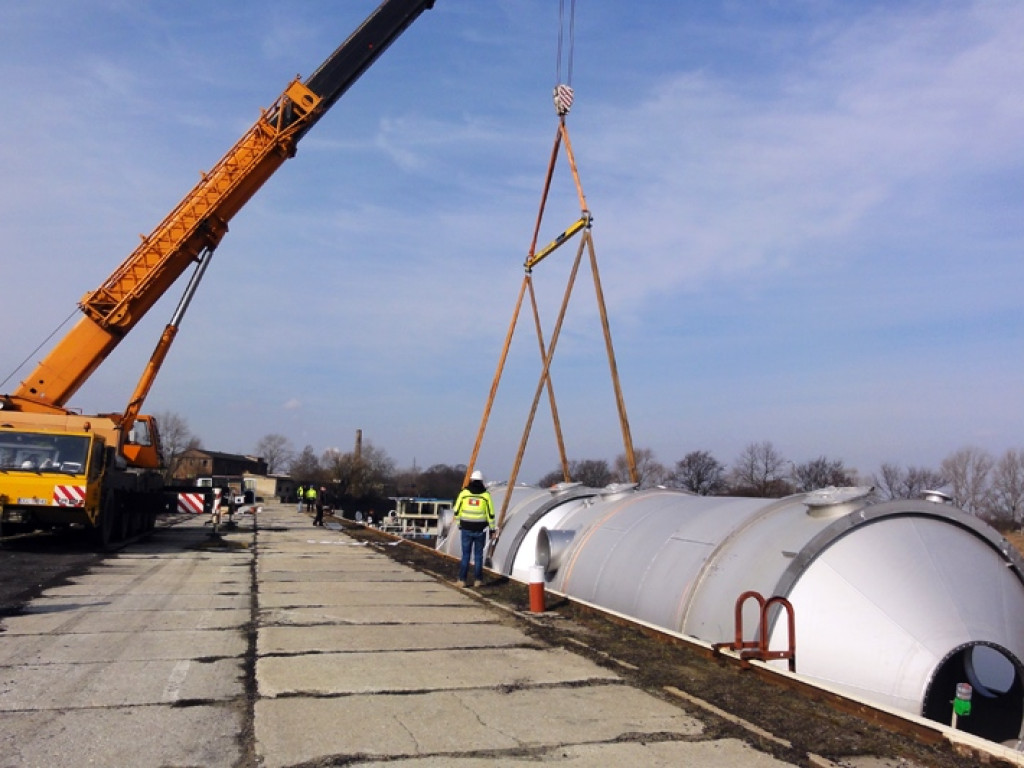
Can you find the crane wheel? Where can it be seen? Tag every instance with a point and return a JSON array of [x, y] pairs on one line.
[[104, 530]]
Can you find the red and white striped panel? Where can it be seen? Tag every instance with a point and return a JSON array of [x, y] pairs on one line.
[[563, 99], [69, 495], [190, 502]]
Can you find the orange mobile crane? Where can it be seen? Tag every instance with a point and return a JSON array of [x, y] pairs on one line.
[[102, 472]]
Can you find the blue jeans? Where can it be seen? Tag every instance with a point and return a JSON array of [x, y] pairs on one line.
[[472, 542]]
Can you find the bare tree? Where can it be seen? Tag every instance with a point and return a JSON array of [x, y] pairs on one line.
[[921, 479], [967, 471], [888, 481], [895, 482], [440, 481], [699, 472], [759, 471], [276, 450], [332, 461], [305, 467], [365, 474], [554, 477], [590, 472], [175, 438], [821, 472], [1007, 500], [649, 471]]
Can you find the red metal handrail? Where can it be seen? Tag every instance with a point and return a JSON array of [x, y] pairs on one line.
[[758, 649]]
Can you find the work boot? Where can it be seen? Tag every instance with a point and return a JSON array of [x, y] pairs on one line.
[[460, 583]]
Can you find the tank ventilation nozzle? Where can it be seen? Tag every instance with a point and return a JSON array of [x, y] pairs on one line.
[[833, 502], [551, 545], [938, 496]]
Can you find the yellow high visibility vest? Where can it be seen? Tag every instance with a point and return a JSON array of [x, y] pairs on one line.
[[471, 506]]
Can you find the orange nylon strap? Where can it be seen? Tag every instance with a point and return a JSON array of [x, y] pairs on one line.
[[494, 383], [544, 195], [551, 388], [540, 385]]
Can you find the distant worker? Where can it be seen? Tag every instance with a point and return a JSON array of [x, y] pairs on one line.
[[474, 512], [310, 498], [319, 519], [301, 493]]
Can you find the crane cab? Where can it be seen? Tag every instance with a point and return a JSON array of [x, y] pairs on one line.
[[51, 478]]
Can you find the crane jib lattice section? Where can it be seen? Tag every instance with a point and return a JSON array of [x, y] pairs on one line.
[[200, 220]]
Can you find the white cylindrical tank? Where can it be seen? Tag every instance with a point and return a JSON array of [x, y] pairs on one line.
[[894, 602], [529, 509]]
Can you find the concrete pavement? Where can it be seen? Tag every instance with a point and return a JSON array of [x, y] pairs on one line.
[[291, 645]]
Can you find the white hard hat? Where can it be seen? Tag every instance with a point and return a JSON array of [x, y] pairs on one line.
[[477, 475]]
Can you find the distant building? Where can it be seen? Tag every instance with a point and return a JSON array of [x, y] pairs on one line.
[[197, 462], [284, 488]]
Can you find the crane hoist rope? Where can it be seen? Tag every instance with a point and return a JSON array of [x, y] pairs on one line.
[[71, 316], [563, 97], [572, 40], [563, 93]]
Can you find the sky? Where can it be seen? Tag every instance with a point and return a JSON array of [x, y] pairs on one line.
[[808, 223]]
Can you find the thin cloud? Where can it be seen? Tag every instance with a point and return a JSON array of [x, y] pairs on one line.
[[797, 212], [724, 181]]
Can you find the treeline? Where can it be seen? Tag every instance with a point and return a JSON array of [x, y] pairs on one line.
[[981, 484], [359, 481], [990, 487]]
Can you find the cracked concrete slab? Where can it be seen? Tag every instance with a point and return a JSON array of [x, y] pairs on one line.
[[199, 601], [377, 671], [337, 638], [376, 614], [86, 622], [116, 737], [296, 730], [356, 660], [91, 684], [726, 753], [123, 646], [323, 595]]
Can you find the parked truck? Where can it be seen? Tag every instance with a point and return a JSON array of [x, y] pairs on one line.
[[103, 473]]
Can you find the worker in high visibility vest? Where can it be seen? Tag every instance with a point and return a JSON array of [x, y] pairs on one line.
[[474, 512], [301, 493], [310, 498]]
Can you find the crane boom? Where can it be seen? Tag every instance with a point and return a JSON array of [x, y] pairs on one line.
[[201, 219]]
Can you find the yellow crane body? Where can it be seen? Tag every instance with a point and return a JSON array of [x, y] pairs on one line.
[[116, 488], [199, 221]]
